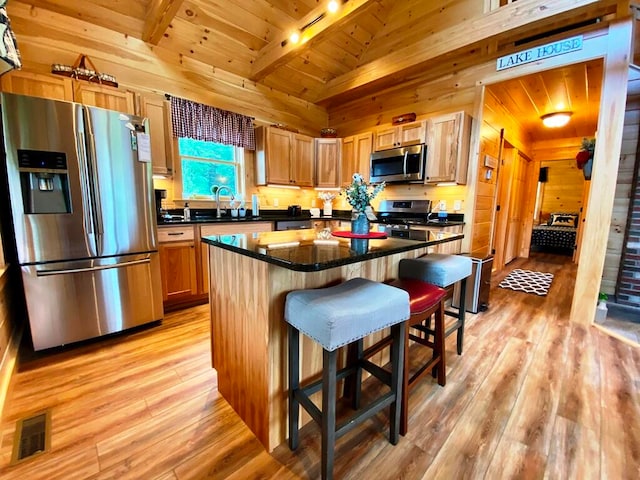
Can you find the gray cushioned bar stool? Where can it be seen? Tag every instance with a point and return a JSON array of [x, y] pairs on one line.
[[444, 271], [334, 317]]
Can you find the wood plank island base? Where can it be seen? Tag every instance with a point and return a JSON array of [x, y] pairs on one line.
[[250, 276]]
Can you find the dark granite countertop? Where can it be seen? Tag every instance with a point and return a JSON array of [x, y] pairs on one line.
[[317, 249], [209, 216]]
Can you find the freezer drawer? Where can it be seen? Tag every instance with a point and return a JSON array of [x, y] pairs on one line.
[[72, 301]]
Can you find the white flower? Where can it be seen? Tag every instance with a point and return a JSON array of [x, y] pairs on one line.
[[326, 196]]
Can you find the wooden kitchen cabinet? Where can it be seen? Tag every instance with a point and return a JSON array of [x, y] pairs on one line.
[[327, 161], [58, 87], [157, 109], [37, 85], [178, 253], [448, 141], [356, 156], [283, 157], [392, 136], [103, 96]]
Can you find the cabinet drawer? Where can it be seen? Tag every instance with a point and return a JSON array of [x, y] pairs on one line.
[[175, 234]]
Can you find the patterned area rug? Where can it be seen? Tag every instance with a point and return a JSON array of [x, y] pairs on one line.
[[526, 281]]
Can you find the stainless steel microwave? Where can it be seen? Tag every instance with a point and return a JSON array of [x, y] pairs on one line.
[[404, 164]]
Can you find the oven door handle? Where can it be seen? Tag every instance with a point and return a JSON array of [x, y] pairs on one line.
[[404, 163]]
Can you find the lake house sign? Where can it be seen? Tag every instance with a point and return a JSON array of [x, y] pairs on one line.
[[538, 53]]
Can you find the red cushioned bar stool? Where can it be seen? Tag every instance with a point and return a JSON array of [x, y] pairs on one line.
[[425, 300]]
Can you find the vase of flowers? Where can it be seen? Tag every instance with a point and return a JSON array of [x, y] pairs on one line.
[[327, 199], [584, 158], [359, 195]]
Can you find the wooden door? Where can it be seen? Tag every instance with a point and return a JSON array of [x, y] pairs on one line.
[[54, 87], [364, 146], [156, 109], [103, 96], [327, 162], [356, 156], [412, 133], [386, 138], [178, 270], [279, 146], [586, 190], [502, 201], [517, 204], [302, 164], [442, 148]]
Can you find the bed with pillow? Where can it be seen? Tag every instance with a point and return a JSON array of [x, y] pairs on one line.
[[558, 234]]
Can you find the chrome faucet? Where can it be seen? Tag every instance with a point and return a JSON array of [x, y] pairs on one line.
[[224, 187]]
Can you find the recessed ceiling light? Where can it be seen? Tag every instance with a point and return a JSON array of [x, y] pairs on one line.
[[294, 37], [332, 6], [556, 119]]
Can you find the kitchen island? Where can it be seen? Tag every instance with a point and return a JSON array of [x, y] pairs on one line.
[[250, 275]]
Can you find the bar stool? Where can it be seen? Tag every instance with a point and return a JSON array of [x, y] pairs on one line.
[[444, 271], [334, 317], [425, 300]]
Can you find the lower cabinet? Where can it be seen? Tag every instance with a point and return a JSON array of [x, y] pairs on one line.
[[184, 260], [178, 250]]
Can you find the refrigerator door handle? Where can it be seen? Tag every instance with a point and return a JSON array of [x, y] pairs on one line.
[[84, 183], [95, 196], [44, 273]]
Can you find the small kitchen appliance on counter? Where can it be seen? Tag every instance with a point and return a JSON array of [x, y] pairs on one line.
[[82, 209]]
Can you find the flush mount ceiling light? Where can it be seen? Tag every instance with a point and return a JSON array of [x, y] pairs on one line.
[[556, 119]]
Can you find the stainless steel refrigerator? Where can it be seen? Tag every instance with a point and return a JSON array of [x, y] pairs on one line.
[[81, 192]]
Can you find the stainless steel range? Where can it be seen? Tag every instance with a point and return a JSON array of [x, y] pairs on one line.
[[407, 218]]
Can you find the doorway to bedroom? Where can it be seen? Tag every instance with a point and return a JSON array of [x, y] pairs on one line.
[[540, 189]]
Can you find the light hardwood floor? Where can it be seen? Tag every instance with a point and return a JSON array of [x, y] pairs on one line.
[[533, 396]]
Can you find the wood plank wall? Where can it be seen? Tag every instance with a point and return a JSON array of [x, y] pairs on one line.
[[9, 335], [45, 38]]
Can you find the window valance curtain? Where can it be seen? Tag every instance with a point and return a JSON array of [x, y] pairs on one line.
[[203, 122], [9, 54]]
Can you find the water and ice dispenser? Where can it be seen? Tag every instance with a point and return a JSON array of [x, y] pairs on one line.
[[44, 181]]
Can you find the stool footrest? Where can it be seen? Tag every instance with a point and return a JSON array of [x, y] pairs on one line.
[[423, 369], [316, 385]]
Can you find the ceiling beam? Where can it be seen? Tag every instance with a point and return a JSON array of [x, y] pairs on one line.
[[459, 36], [275, 54], [160, 16]]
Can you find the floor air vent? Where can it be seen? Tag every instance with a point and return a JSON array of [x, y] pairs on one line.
[[33, 436]]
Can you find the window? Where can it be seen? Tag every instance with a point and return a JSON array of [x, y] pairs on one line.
[[205, 164]]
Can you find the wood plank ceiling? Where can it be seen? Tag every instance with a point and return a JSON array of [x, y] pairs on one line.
[[574, 88], [365, 46]]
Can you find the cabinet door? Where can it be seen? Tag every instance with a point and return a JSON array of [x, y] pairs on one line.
[[103, 96], [412, 133], [156, 109], [178, 270], [302, 165], [364, 145], [327, 161], [278, 153], [54, 87], [386, 138], [448, 148], [356, 156]]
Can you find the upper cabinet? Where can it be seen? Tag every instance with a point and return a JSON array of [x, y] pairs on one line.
[[283, 157], [157, 109], [103, 96], [448, 141], [400, 135], [328, 153], [64, 88], [356, 156], [37, 85]]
